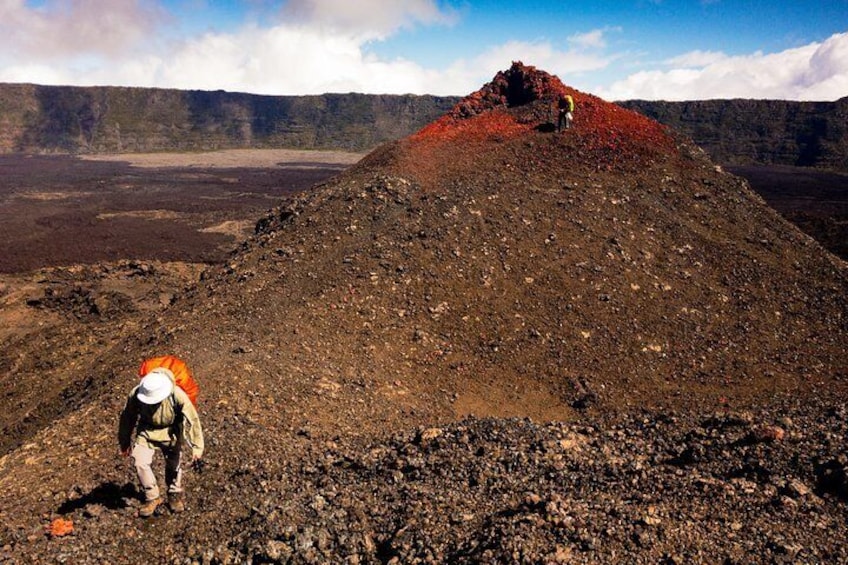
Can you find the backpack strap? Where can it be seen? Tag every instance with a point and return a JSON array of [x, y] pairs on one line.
[[177, 426], [177, 407]]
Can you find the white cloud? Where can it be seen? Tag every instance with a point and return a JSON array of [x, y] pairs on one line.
[[321, 46], [696, 59], [592, 39], [284, 60], [365, 19], [540, 54], [63, 29], [595, 39], [317, 46], [585, 54], [818, 71]]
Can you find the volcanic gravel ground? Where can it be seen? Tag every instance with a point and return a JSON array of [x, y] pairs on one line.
[[750, 487], [53, 321], [369, 359], [650, 489]]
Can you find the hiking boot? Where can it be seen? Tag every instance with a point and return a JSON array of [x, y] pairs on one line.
[[148, 508], [176, 502]]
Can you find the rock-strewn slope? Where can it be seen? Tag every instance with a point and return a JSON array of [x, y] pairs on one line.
[[650, 489], [609, 278]]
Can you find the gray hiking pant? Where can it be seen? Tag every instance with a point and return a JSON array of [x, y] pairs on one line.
[[143, 457]]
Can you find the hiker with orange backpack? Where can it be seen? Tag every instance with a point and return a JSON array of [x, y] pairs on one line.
[[161, 414]]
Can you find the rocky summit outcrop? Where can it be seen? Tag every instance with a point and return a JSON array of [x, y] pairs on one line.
[[486, 342]]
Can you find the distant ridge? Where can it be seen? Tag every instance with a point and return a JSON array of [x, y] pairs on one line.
[[66, 119], [767, 132], [63, 119]]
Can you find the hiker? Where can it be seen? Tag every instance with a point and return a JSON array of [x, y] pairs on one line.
[[161, 414], [565, 111]]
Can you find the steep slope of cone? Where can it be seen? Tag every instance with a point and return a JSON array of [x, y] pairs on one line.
[[485, 266], [485, 254]]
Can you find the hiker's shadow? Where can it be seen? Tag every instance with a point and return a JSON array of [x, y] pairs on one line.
[[546, 127], [110, 495]]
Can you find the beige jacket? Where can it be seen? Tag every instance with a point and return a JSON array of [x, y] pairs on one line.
[[156, 425]]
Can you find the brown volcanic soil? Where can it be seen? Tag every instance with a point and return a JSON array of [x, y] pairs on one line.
[[687, 344], [152, 216], [54, 320]]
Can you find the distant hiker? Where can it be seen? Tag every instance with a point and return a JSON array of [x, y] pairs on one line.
[[161, 414], [565, 111]]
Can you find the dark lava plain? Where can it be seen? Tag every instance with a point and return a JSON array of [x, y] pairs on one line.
[[58, 210], [814, 200]]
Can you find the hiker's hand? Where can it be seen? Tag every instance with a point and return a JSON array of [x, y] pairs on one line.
[[197, 463]]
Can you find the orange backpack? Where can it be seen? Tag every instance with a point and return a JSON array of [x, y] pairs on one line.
[[182, 375]]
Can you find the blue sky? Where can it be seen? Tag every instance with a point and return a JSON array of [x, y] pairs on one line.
[[654, 49]]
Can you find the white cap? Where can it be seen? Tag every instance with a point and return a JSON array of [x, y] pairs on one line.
[[155, 387]]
